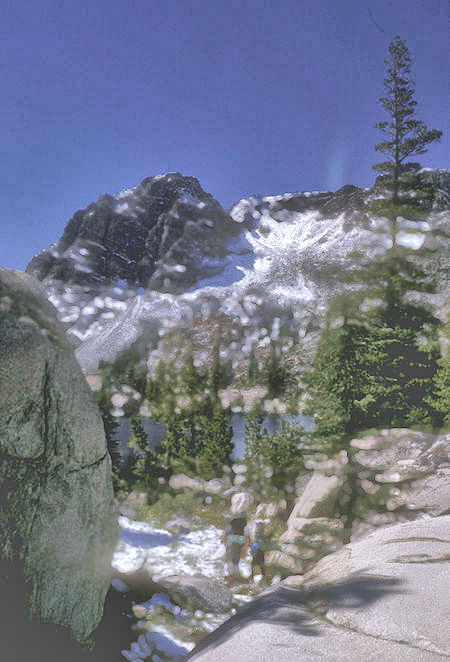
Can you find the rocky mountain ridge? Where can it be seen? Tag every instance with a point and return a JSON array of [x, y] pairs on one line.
[[266, 270]]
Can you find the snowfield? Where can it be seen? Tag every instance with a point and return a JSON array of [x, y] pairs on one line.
[[162, 553]]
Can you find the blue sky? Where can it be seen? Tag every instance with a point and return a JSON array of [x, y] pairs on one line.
[[249, 96]]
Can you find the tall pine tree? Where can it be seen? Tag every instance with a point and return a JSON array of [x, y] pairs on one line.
[[405, 136], [377, 367]]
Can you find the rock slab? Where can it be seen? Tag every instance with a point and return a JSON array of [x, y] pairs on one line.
[[385, 596], [197, 592], [409, 566]]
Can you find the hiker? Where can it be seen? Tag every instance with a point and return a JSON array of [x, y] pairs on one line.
[[235, 537], [257, 534], [236, 543]]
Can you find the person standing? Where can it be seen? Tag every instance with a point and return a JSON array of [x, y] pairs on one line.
[[235, 536], [236, 544], [256, 534]]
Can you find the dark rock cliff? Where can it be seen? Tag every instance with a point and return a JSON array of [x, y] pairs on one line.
[[141, 235]]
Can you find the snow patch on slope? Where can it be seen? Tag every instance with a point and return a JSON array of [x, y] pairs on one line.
[[283, 264]]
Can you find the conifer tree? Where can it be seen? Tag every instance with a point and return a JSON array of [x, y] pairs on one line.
[[376, 370], [333, 383], [258, 474], [376, 361], [215, 375], [138, 437], [276, 373], [146, 464], [193, 380], [252, 370], [274, 461], [175, 443], [377, 367], [404, 135], [441, 401], [217, 443], [221, 371], [157, 386]]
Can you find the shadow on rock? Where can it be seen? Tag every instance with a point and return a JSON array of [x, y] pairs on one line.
[[25, 639], [295, 609], [359, 590]]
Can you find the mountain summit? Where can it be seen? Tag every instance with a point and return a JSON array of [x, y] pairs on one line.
[[153, 235], [164, 258]]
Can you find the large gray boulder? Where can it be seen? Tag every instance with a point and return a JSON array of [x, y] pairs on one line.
[[178, 526], [406, 475], [384, 597], [318, 499], [196, 592], [311, 531], [183, 482], [397, 455], [431, 494], [217, 485], [306, 541], [413, 560], [57, 509], [395, 475]]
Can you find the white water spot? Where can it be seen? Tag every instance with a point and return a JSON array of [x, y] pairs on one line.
[[161, 553], [55, 300], [69, 296]]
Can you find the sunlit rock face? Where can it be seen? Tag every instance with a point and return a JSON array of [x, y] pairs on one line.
[[57, 510], [395, 474], [411, 558], [382, 597], [165, 257]]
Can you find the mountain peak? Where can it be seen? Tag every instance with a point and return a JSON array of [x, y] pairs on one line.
[[164, 256], [139, 235]]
